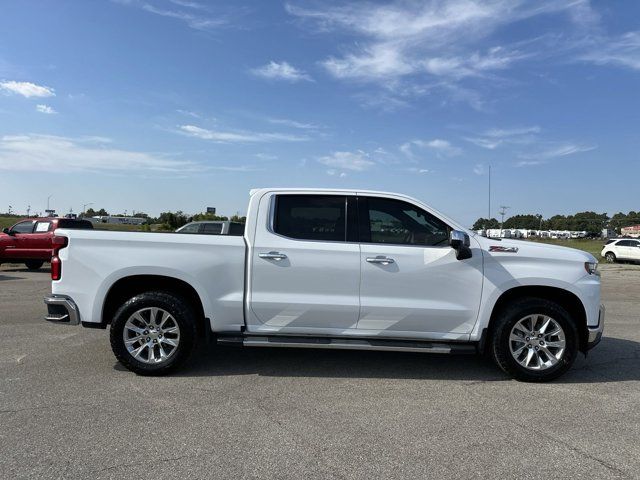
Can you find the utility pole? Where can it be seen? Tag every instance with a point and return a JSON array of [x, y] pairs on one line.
[[503, 211], [84, 208], [28, 210], [49, 198], [10, 207], [540, 217], [489, 217]]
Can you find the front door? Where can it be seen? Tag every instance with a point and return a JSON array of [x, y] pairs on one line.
[[17, 245], [412, 282], [305, 274]]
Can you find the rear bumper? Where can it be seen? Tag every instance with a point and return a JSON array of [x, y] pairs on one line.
[[61, 309], [595, 333]]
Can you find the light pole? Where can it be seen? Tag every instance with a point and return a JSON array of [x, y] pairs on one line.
[[49, 198], [28, 210]]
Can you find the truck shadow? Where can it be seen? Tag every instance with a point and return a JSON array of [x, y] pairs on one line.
[[615, 360]]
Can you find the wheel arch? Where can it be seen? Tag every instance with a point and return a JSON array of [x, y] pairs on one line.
[[566, 299], [129, 286]]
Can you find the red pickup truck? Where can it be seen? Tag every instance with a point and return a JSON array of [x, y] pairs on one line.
[[30, 241]]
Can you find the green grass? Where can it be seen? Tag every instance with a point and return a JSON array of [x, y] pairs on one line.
[[594, 247]]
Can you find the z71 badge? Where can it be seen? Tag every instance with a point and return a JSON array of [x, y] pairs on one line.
[[499, 249]]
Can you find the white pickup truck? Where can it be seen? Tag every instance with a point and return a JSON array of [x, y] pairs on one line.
[[342, 269]]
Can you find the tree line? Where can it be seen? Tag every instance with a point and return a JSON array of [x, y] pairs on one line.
[[590, 222], [170, 220]]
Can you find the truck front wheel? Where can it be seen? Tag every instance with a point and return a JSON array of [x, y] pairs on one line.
[[153, 333], [534, 340]]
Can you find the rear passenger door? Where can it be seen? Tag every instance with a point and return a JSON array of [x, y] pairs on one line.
[[39, 242], [305, 268], [634, 249]]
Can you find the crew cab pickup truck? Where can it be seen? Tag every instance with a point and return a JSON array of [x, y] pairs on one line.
[[30, 241], [341, 269]]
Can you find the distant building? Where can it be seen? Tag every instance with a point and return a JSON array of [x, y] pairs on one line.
[[118, 220], [632, 231]]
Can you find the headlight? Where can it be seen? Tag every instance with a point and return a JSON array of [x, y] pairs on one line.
[[591, 268]]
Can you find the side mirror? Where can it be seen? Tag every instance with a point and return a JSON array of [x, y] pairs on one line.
[[461, 243], [7, 231]]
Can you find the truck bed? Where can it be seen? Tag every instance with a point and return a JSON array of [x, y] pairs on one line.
[[95, 260]]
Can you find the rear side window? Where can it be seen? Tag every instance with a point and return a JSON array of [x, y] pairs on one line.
[[311, 217], [384, 220], [23, 227], [211, 228], [623, 243], [42, 227], [190, 228], [236, 229], [75, 224]]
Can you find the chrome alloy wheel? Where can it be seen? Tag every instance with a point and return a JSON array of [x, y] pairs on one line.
[[151, 335], [537, 342]]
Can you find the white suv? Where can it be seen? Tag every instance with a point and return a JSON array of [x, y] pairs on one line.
[[622, 249]]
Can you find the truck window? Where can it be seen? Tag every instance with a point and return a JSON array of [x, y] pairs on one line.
[[396, 222], [211, 228], [75, 224], [42, 227], [236, 229], [23, 227], [311, 217]]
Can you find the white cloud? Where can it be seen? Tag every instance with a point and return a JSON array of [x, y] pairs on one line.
[[281, 71], [45, 109], [60, 154], [414, 48], [293, 123], [438, 38], [622, 51], [357, 161], [560, 150], [238, 136], [443, 148], [495, 137], [27, 89], [479, 169], [195, 15]]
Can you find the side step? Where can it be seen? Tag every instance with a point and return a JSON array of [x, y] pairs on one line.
[[348, 344]]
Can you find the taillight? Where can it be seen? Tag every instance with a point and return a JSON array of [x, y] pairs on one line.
[[56, 268], [56, 264]]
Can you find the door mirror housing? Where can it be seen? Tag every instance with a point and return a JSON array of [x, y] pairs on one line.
[[7, 231], [461, 243]]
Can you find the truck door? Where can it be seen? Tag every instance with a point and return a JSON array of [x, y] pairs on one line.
[[412, 282], [17, 244], [40, 241], [305, 271]]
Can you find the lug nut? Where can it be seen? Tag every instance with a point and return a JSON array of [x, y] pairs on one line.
[[527, 339], [537, 348], [541, 343], [155, 341], [146, 332], [160, 335], [539, 335], [148, 339]]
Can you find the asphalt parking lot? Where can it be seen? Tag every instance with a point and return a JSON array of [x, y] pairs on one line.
[[68, 410]]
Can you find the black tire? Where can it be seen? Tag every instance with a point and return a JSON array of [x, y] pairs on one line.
[[34, 264], [184, 316], [610, 257], [513, 313]]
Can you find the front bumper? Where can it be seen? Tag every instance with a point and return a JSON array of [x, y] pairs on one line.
[[61, 309], [595, 333]]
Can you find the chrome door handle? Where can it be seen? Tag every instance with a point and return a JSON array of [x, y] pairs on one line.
[[381, 259], [273, 256]]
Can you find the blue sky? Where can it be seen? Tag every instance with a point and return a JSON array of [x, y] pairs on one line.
[[155, 105]]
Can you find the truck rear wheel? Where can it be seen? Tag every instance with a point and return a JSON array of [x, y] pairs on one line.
[[153, 333], [34, 264], [534, 340]]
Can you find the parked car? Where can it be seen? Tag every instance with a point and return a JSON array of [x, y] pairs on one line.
[[621, 249], [213, 227], [332, 269], [30, 241]]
